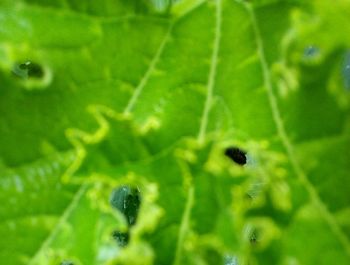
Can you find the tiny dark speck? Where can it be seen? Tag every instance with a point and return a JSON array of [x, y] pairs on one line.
[[237, 155]]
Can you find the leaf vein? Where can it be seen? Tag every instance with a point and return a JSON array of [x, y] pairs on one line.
[[212, 73], [185, 223], [71, 207], [146, 76]]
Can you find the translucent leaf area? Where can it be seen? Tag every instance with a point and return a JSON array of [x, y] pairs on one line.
[[174, 132]]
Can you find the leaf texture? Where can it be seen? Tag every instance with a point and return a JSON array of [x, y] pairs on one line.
[[96, 95]]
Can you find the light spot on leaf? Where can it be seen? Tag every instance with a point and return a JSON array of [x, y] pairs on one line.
[[346, 71], [18, 184], [67, 262]]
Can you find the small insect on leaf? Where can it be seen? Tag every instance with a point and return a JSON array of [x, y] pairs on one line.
[[127, 200], [28, 70], [237, 155], [122, 238]]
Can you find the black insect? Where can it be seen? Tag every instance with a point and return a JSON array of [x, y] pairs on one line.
[[237, 155], [122, 238], [127, 200], [28, 70], [34, 70]]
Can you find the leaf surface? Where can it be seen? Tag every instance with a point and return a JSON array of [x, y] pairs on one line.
[[99, 95]]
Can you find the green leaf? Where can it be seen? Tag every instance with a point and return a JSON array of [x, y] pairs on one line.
[[149, 94]]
